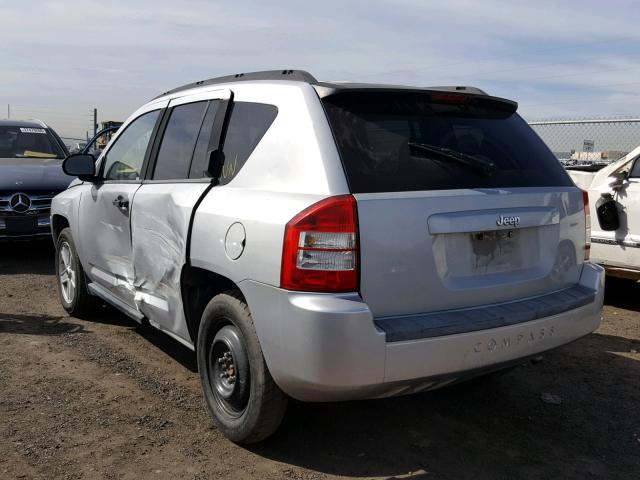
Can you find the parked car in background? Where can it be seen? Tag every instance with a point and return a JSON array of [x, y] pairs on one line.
[[329, 241], [31, 155], [614, 192], [77, 147]]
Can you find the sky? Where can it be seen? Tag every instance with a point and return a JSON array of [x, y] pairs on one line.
[[557, 59]]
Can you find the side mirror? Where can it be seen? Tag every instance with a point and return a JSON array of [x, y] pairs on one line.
[[81, 165]]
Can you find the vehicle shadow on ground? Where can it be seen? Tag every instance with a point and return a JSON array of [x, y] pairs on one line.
[[183, 355], [622, 293], [180, 353], [37, 325], [34, 257], [486, 428]]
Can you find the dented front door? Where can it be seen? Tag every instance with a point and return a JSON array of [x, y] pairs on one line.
[[105, 208]]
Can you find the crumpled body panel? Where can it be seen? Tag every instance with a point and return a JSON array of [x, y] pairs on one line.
[[160, 226]]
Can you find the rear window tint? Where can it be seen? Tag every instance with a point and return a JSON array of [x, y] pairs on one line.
[[397, 141], [247, 125]]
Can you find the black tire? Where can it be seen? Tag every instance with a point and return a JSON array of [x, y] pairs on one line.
[[80, 302], [248, 407]]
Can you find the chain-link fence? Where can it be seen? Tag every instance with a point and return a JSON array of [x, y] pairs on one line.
[[587, 141]]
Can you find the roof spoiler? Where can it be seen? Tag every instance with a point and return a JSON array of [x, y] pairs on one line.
[[443, 95]]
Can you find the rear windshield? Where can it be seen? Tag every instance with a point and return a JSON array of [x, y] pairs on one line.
[[28, 142], [398, 141]]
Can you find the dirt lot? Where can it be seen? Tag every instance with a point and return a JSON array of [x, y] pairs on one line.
[[110, 399]]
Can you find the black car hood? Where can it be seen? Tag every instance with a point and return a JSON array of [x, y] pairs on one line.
[[24, 174]]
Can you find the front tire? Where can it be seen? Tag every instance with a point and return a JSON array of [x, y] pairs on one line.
[[241, 396], [72, 284]]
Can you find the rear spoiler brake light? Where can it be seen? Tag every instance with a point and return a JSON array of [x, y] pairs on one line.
[[482, 101]]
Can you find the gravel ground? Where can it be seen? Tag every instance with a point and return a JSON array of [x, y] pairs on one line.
[[112, 399]]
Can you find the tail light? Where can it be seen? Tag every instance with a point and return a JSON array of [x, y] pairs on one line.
[[587, 225], [320, 252]]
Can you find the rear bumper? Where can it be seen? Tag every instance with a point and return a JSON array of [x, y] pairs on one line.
[[322, 347]]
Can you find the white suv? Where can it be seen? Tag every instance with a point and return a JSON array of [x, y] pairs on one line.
[[615, 202], [329, 241]]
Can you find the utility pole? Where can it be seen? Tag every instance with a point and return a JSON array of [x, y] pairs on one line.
[[8, 110], [95, 121]]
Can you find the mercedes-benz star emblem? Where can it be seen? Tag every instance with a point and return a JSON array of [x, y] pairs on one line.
[[20, 203]]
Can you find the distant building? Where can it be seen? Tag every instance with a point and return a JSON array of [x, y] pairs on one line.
[[606, 156], [110, 123]]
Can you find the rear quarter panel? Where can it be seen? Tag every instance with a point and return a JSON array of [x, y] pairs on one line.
[[295, 165]]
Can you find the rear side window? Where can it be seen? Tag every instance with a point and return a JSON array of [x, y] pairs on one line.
[[398, 141], [179, 141], [247, 125], [200, 162]]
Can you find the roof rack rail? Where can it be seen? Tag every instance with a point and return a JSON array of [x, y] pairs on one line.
[[296, 75]]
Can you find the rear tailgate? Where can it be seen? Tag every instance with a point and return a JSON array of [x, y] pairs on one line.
[[460, 204], [432, 251]]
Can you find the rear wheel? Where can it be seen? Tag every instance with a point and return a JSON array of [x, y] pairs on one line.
[[72, 284], [244, 401]]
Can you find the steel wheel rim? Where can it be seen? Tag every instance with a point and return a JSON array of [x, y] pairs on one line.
[[226, 377], [66, 273]]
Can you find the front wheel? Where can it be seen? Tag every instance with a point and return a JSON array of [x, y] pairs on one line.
[[244, 401], [72, 284]]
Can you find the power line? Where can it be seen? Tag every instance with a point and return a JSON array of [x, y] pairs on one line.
[[554, 49], [36, 112], [571, 102], [515, 69], [580, 99]]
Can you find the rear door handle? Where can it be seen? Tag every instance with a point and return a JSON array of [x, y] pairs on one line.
[[121, 202]]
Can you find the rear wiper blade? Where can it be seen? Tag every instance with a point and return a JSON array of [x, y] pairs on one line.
[[483, 166]]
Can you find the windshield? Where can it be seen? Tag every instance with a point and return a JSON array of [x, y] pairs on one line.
[[407, 141], [28, 142]]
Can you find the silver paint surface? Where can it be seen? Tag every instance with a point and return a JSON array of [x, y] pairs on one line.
[[325, 346]]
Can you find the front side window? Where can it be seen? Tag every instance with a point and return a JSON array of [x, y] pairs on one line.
[[125, 158], [28, 142], [178, 141]]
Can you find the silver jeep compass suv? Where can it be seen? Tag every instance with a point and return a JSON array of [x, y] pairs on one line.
[[328, 241]]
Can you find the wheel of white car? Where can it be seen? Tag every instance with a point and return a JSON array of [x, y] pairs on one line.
[[72, 284], [244, 401]]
